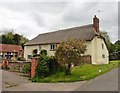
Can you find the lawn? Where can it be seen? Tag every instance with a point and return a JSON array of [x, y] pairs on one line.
[[80, 73]]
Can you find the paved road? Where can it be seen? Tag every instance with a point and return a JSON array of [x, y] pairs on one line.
[[105, 82]]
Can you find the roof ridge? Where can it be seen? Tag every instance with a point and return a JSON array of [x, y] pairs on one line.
[[89, 25]]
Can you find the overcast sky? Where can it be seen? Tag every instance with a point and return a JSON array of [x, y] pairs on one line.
[[33, 18]]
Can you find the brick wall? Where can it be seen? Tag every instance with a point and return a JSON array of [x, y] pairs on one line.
[[16, 66]]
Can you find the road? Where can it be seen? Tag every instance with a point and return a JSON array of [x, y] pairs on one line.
[[107, 82]]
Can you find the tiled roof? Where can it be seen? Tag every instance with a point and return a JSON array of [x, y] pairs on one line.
[[86, 32], [10, 48]]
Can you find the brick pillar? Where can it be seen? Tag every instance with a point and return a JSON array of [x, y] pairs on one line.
[[5, 63], [34, 64]]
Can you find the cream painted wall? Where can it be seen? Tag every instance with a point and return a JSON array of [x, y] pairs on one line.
[[28, 50], [97, 51], [94, 48]]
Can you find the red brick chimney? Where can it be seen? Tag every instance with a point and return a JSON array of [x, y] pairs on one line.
[[96, 23]]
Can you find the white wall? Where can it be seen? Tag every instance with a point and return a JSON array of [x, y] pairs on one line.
[[94, 48], [28, 50], [97, 51]]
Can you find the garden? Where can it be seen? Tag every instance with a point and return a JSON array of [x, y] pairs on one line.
[[59, 68]]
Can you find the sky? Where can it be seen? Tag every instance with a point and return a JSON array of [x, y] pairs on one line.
[[33, 18]]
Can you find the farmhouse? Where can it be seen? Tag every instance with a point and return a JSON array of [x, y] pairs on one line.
[[96, 46]]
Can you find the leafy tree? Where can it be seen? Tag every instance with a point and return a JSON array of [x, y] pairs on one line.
[[10, 38], [69, 52], [117, 45], [115, 50], [17, 39]]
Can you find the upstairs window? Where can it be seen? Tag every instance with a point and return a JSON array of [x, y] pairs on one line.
[[53, 46], [102, 46], [40, 47]]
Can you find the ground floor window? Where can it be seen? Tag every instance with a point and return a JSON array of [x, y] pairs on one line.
[[29, 56], [103, 55]]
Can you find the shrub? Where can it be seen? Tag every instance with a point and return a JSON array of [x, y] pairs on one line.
[[20, 59], [43, 52], [53, 65], [36, 55], [43, 67], [26, 68]]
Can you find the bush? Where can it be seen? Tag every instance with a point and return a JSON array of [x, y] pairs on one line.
[[5, 68], [43, 67], [26, 68], [53, 65], [43, 52], [20, 59], [36, 55]]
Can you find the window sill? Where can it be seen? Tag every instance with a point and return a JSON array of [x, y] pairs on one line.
[[52, 49]]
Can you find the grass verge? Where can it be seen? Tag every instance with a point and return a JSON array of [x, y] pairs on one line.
[[79, 73]]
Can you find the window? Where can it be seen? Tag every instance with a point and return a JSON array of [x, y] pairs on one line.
[[40, 47], [102, 46], [53, 46], [8, 53], [29, 56], [103, 55]]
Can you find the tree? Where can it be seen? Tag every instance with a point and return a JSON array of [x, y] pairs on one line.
[[115, 50], [69, 51], [10, 38], [17, 39]]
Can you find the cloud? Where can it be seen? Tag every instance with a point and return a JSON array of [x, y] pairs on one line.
[[33, 18]]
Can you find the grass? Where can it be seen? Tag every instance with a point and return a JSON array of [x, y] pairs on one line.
[[80, 73]]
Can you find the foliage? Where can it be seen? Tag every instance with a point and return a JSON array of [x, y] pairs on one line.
[[26, 68], [15, 68], [36, 55], [35, 51], [5, 67], [43, 52], [43, 67], [47, 65], [53, 65], [10, 38], [78, 73], [20, 59], [115, 50], [69, 52]]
